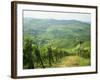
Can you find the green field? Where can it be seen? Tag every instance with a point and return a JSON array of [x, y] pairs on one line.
[[55, 43]]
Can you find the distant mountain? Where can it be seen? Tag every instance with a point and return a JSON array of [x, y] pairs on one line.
[[62, 32]]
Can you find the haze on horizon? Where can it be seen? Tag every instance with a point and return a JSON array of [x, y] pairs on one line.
[[84, 17]]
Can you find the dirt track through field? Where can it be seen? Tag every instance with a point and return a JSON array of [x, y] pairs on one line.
[[72, 61]]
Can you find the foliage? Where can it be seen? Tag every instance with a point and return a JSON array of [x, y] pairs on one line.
[[47, 42]]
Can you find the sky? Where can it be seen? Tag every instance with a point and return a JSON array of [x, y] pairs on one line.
[[84, 17]]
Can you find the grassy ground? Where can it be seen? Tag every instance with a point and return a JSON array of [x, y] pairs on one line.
[[72, 61]]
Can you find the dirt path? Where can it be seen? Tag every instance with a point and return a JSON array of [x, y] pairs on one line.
[[72, 61]]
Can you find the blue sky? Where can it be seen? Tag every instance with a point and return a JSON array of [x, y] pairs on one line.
[[84, 17]]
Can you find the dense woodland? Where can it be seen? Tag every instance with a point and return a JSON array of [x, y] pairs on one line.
[[55, 43]]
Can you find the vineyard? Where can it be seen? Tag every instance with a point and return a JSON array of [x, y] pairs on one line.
[[55, 43], [45, 57]]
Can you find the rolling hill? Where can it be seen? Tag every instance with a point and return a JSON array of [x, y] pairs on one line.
[[56, 43], [58, 33]]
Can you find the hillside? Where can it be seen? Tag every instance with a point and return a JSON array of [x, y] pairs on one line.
[[62, 33], [54, 43]]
